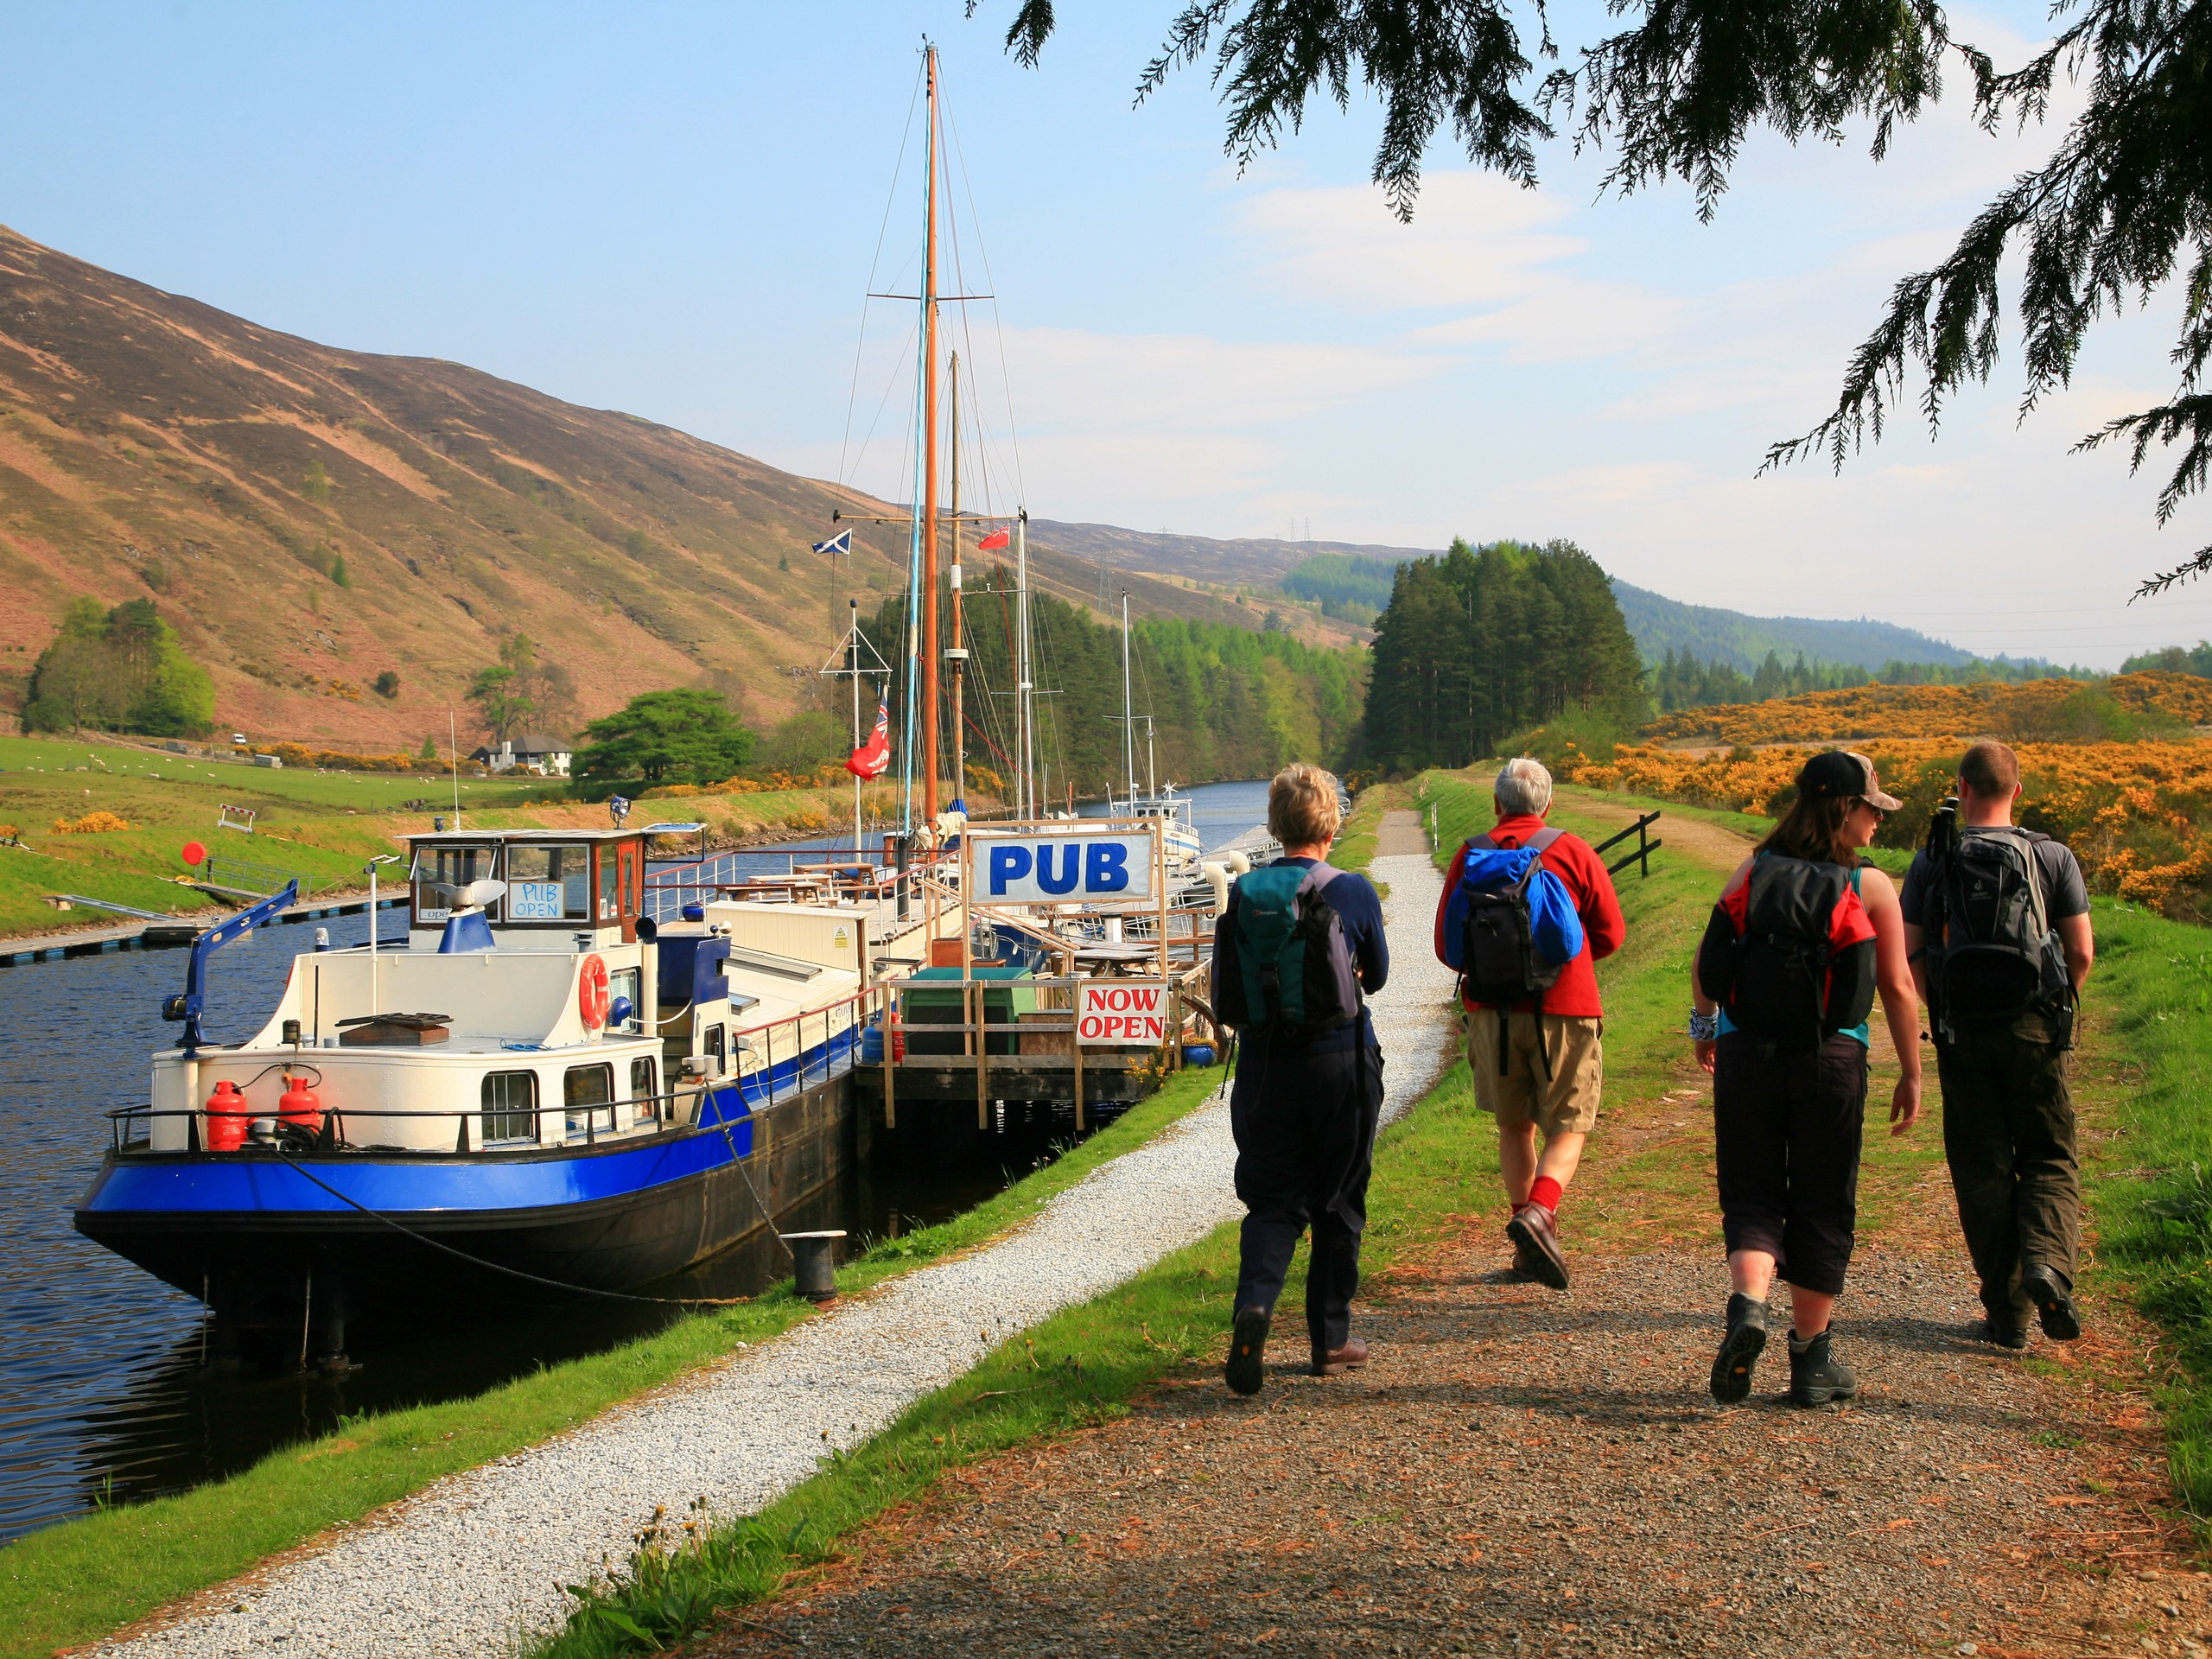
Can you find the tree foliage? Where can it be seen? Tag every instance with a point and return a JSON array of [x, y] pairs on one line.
[[119, 670], [2121, 205], [1478, 644], [1223, 702], [678, 736], [2174, 659]]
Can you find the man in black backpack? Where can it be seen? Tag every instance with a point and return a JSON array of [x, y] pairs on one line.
[[1997, 924]]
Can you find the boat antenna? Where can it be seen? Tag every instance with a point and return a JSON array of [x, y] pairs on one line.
[[1129, 717], [929, 446]]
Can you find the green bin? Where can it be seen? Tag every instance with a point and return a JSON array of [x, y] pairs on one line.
[[1005, 999]]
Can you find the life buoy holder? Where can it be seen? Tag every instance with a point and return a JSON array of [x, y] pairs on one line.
[[591, 993]]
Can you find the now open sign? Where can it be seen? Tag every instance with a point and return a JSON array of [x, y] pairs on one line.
[[1121, 1013], [1048, 869]]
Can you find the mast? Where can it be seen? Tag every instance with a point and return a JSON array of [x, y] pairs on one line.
[[1023, 687], [928, 455], [853, 639], [956, 652], [1128, 719]]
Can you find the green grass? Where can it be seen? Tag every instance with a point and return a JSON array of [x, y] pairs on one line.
[[2146, 1059], [79, 1580]]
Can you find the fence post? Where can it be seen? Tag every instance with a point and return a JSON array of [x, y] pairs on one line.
[[982, 1059], [888, 1010]]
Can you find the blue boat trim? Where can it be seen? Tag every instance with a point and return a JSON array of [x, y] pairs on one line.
[[400, 1184]]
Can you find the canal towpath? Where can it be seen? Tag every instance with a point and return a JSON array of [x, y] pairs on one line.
[[476, 1561], [1522, 1472]]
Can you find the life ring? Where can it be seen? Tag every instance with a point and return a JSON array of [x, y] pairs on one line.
[[591, 993]]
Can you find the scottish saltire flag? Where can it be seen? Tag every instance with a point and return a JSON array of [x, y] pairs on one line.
[[874, 757], [841, 542]]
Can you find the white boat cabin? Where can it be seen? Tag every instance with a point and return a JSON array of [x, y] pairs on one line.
[[549, 1014]]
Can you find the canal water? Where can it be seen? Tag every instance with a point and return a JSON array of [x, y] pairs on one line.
[[103, 1398]]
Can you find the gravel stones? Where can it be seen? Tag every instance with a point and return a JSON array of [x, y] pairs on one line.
[[1519, 1471], [477, 1560]]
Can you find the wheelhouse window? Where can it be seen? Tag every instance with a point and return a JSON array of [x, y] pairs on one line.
[[510, 1107], [643, 1087], [549, 884], [715, 1047], [442, 870], [587, 1092]]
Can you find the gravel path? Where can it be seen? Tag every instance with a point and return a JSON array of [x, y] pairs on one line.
[[1519, 1473], [475, 1561]]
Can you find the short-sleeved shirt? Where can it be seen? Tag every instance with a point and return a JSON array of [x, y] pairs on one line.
[[2064, 891], [2064, 894], [1359, 913]]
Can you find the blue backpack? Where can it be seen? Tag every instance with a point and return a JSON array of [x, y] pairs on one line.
[[1510, 926]]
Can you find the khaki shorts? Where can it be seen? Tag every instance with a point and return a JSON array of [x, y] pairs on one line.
[[1566, 1103]]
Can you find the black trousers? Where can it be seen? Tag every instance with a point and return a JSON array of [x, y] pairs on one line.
[[1787, 1125], [2008, 1135], [1305, 1129]]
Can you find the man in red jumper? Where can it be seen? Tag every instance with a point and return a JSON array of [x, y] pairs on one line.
[[1554, 1067]]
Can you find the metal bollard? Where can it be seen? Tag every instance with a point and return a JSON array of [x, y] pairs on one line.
[[814, 1263]]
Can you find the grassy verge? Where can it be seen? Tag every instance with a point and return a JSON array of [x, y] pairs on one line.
[[1355, 847], [2146, 1056], [79, 1580]]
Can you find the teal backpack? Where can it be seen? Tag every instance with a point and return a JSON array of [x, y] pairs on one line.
[[1296, 977]]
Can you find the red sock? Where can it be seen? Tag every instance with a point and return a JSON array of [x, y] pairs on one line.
[[1546, 1191]]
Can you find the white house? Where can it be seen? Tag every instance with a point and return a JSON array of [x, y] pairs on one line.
[[546, 756]]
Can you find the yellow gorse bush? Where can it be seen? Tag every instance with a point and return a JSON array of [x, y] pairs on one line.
[[2048, 710], [92, 824], [2136, 814]]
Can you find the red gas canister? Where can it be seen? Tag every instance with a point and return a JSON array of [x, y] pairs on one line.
[[227, 1117], [300, 1104]]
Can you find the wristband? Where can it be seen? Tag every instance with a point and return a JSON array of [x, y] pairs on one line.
[[1704, 1027]]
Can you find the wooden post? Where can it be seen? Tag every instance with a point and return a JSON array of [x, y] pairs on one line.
[[1075, 1044], [982, 1058], [889, 1010]]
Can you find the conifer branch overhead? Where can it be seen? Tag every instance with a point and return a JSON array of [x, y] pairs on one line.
[[2122, 207]]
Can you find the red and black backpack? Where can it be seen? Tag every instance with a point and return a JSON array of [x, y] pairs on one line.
[[1790, 953]]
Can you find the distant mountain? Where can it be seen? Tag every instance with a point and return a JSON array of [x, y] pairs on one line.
[[1661, 624], [1658, 622], [309, 519], [1255, 562]]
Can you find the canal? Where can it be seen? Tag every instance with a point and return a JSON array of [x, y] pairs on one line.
[[102, 1397]]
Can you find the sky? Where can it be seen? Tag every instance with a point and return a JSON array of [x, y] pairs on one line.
[[679, 210]]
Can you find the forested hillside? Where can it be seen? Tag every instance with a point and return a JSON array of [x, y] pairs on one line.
[[1477, 645], [1223, 702]]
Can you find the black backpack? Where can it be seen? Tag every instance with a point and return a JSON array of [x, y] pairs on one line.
[[1776, 968], [1498, 961], [1994, 954]]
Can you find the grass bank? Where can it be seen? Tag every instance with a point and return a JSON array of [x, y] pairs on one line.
[[83, 1579]]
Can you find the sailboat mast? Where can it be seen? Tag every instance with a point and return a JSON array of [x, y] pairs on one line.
[[929, 457], [853, 666], [957, 651], [1129, 717], [1023, 687]]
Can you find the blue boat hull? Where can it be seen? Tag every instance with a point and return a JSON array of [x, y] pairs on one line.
[[250, 1231]]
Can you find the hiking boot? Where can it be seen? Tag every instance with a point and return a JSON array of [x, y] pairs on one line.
[[1533, 1231], [1527, 1265], [1816, 1375], [1739, 1349], [1248, 1343], [2054, 1301], [1998, 1333], [1337, 1360]]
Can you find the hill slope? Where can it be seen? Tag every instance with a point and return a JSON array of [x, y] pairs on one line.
[[1661, 624], [1658, 622], [152, 446]]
